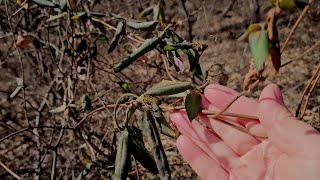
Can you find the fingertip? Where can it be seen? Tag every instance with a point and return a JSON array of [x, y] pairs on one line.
[[271, 92]]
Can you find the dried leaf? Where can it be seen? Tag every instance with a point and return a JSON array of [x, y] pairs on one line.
[[59, 109], [121, 30], [149, 129], [23, 41], [193, 104], [123, 160], [45, 3], [146, 12], [18, 88], [166, 87], [140, 152], [55, 17], [142, 25], [86, 102], [147, 46], [164, 125]]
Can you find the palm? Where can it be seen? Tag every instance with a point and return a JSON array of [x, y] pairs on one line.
[[290, 150]]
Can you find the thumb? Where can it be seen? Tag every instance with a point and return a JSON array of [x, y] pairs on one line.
[[288, 134]]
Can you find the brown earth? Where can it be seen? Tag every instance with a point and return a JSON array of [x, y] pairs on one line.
[[210, 25]]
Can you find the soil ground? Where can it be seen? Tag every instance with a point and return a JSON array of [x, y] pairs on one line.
[[210, 25]]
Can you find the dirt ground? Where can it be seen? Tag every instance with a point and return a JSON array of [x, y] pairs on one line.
[[211, 24]]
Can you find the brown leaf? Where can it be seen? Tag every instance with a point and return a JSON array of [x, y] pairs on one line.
[[23, 41]]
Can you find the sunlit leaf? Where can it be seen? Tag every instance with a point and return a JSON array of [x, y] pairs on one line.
[[147, 46], [193, 104], [142, 25], [55, 17], [121, 30], [166, 87], [45, 3], [140, 152], [252, 28], [259, 47], [123, 160], [59, 109]]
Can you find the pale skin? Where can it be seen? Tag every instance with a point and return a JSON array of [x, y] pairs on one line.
[[290, 151]]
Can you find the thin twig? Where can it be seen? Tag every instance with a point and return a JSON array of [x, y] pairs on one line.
[[306, 89], [295, 26], [303, 54], [9, 171], [167, 68], [309, 94], [236, 98]]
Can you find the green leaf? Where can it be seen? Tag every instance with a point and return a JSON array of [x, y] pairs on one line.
[[150, 131], [104, 164], [174, 47], [284, 4], [59, 109], [123, 160], [142, 25], [252, 28], [140, 152], [166, 87], [164, 125], [146, 12], [194, 62], [176, 37], [45, 3], [193, 105], [79, 15], [86, 102], [147, 46], [259, 47], [124, 86], [55, 17], [18, 88], [159, 13], [63, 5], [121, 30]]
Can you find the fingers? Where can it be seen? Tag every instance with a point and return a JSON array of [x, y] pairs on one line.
[[286, 132], [238, 141], [220, 96], [206, 140], [199, 160]]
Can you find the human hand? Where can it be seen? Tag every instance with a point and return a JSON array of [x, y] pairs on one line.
[[290, 151]]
